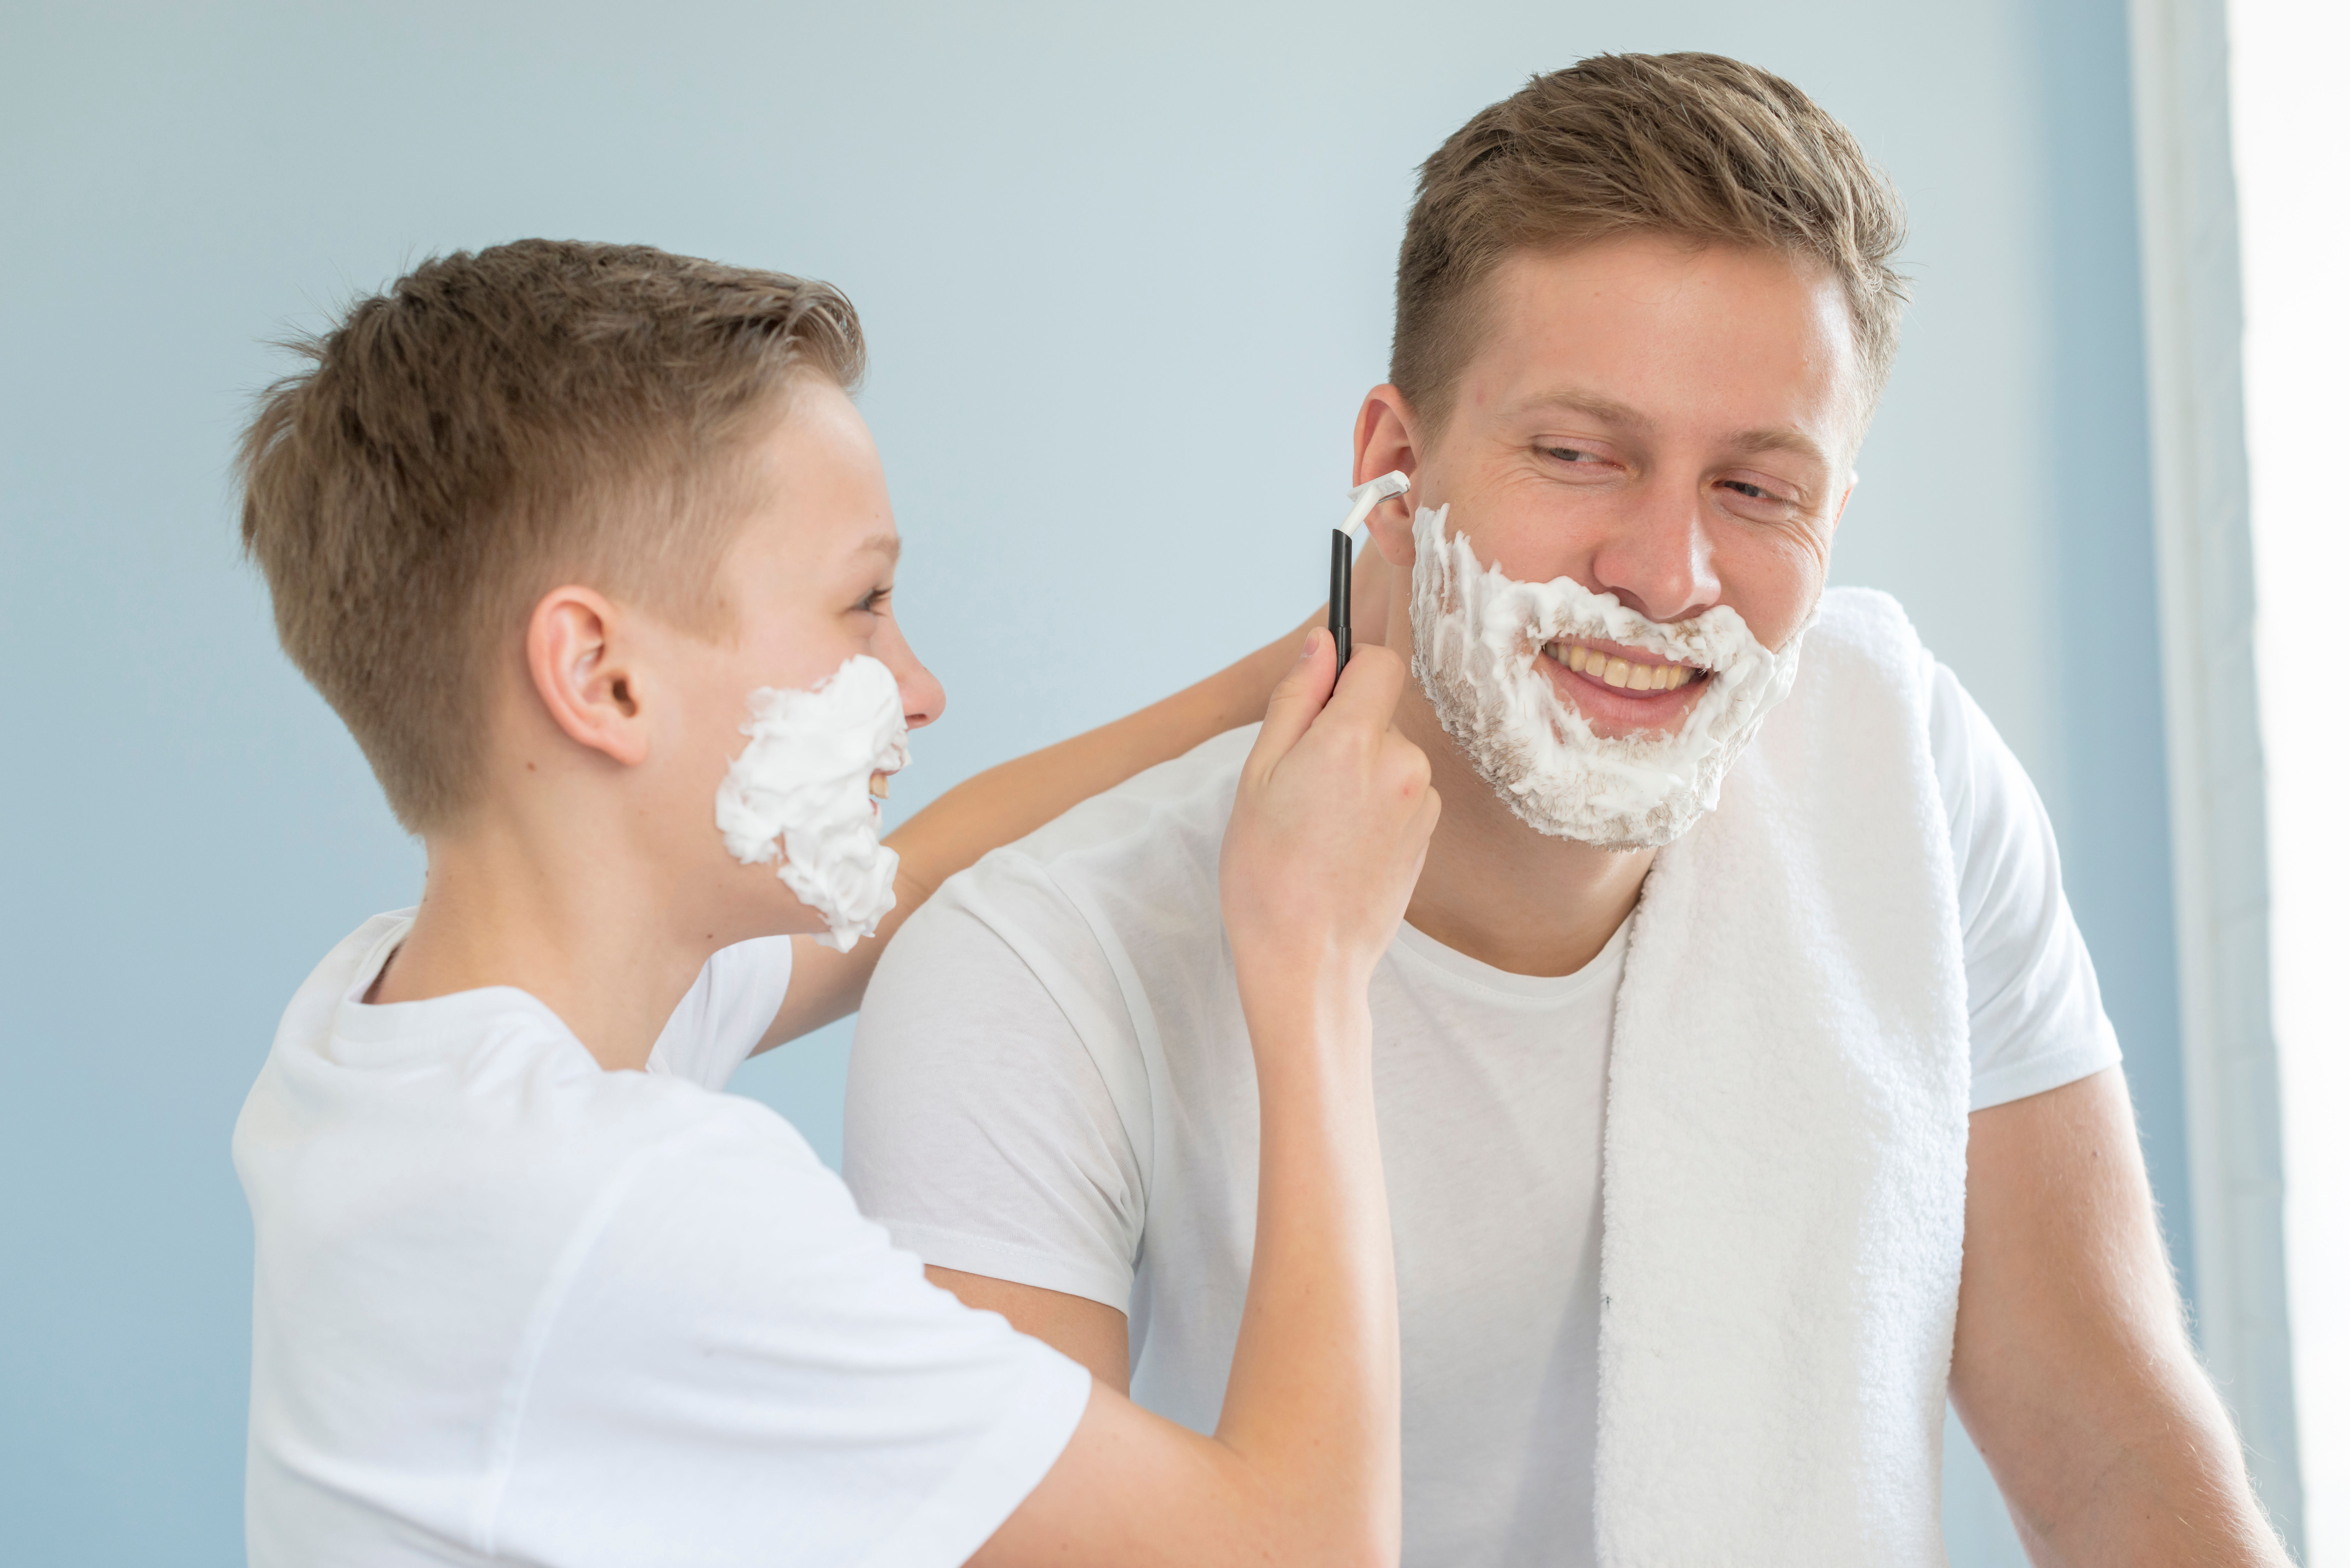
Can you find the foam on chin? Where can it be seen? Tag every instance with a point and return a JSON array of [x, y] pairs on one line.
[[1476, 640], [803, 779]]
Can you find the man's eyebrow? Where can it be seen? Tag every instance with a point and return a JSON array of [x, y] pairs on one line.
[[1756, 443], [1574, 400], [1779, 439]]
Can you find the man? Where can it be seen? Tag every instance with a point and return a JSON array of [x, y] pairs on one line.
[[1699, 1210]]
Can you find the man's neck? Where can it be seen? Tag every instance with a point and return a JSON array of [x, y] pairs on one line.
[[1497, 890], [580, 932]]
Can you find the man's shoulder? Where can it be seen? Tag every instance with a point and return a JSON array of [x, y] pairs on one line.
[[1113, 903], [1147, 846], [1179, 805]]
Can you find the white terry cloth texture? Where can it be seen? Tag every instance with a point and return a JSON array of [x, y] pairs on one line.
[[1784, 1169]]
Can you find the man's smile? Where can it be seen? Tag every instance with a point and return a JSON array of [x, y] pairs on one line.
[[1630, 685]]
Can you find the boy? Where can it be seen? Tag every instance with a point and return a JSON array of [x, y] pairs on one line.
[[544, 525]]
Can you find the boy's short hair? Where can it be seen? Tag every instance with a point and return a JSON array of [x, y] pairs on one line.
[[1689, 145], [492, 425]]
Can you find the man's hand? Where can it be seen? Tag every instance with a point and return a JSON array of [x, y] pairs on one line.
[[2072, 1370]]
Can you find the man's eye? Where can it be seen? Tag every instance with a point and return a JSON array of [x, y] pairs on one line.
[[1752, 491], [1571, 454]]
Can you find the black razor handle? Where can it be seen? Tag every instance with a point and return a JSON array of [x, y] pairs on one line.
[[1342, 595]]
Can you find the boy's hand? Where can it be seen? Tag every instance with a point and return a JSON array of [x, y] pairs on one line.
[[1329, 826]]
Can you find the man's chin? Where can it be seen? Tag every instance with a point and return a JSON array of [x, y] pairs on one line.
[[1570, 813]]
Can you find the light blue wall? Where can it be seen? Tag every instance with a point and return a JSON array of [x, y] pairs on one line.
[[1125, 278]]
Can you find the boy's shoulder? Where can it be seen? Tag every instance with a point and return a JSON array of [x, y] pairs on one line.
[[482, 1104], [468, 1234]]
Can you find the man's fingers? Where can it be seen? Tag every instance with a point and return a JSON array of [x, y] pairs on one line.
[[1297, 699]]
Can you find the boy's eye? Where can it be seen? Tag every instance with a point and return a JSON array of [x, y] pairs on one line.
[[871, 603]]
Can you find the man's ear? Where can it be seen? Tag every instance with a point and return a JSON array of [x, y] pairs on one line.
[[1851, 484], [1387, 439], [582, 674]]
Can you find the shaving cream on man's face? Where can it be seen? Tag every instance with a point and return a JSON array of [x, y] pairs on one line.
[[804, 779], [1478, 637]]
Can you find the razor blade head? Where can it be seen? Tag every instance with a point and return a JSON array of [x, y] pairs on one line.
[[1385, 485]]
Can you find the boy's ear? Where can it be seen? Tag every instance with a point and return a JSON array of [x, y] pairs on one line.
[[582, 675], [1387, 439]]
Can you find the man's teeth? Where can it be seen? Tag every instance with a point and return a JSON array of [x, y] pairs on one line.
[[1623, 673], [878, 784]]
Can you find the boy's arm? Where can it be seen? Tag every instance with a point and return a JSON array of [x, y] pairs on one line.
[[1087, 1332], [1305, 1467], [1015, 799]]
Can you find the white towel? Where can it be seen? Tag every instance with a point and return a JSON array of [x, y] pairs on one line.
[[1786, 1163]]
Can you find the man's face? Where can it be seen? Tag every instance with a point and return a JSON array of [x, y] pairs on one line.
[[808, 583], [1670, 425]]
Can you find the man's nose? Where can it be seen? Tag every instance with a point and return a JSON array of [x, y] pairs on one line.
[[1659, 558]]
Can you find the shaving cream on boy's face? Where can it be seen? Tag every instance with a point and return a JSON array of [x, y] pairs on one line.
[[1478, 637], [805, 777]]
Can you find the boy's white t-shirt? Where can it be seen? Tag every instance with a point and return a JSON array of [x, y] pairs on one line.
[[511, 1307], [1051, 1085]]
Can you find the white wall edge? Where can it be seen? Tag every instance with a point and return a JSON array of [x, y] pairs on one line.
[[2194, 337]]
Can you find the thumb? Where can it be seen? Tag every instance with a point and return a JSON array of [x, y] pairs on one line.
[[1299, 696]]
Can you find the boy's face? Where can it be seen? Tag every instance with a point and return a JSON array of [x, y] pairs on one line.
[[808, 584]]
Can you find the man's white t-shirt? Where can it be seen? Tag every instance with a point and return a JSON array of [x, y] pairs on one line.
[[511, 1307], [1051, 1085]]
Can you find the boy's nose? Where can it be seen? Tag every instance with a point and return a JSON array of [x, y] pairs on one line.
[[924, 697]]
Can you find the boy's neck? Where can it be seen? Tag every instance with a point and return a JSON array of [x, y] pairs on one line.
[[1497, 891], [580, 932]]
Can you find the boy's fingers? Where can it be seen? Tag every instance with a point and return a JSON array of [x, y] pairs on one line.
[[1368, 693], [1424, 822], [1297, 699]]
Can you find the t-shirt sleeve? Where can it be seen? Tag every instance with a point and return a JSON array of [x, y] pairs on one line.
[[984, 1125], [725, 1014], [737, 1368], [2036, 1022]]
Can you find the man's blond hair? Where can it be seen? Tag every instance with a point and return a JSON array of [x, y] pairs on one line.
[[1692, 146], [492, 425]]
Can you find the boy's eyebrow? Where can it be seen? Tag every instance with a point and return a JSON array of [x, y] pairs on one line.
[[881, 545]]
